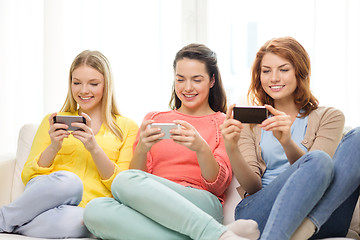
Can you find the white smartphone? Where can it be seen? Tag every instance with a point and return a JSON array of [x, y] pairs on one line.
[[165, 128], [68, 120]]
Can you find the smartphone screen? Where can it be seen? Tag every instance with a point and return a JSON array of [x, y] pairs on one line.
[[165, 128], [70, 119], [251, 114]]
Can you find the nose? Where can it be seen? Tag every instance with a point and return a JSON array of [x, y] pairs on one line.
[[188, 86], [84, 88], [275, 76]]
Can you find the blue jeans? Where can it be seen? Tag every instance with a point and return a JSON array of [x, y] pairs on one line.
[[304, 190], [149, 207], [47, 208]]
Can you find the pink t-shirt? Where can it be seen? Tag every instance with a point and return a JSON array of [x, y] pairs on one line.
[[179, 164]]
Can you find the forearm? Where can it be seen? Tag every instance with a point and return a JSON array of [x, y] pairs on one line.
[[139, 160], [293, 151], [247, 178], [47, 157], [208, 164], [103, 164]]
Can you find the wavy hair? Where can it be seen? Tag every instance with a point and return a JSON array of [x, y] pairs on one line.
[[291, 50], [99, 62]]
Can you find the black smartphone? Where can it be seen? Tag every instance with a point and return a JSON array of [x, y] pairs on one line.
[[68, 120], [251, 114]]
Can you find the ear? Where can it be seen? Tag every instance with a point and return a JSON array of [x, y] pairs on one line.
[[212, 81]]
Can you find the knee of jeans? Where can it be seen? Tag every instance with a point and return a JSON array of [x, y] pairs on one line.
[[126, 182], [353, 133], [324, 165], [68, 186]]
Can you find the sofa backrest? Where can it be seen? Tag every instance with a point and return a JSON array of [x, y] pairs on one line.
[[26, 137]]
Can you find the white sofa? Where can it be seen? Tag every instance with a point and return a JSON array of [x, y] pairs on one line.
[[11, 185]]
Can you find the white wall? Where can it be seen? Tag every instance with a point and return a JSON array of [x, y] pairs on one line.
[[40, 38]]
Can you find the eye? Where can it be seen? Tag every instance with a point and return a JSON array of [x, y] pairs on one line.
[[265, 71], [76, 83], [94, 84], [284, 70], [197, 80], [179, 80]]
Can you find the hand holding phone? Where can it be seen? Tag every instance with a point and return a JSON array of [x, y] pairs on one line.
[[68, 120], [251, 114], [165, 128]]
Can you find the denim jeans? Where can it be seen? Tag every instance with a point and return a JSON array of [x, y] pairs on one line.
[[304, 190], [332, 215], [149, 207], [47, 208]]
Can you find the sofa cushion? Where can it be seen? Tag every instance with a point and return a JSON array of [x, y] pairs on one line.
[[232, 198], [26, 136]]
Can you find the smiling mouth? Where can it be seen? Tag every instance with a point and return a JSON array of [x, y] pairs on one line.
[[277, 87], [85, 98], [189, 95]]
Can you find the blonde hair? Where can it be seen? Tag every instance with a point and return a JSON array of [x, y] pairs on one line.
[[99, 62]]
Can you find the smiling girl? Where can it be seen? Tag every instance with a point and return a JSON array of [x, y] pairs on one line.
[[65, 170], [176, 187], [291, 185]]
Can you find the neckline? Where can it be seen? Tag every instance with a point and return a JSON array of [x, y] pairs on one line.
[[192, 116]]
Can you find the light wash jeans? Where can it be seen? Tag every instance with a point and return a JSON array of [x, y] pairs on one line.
[[305, 190], [153, 208], [48, 208]]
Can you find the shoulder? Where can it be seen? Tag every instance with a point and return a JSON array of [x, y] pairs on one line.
[[159, 114], [125, 122], [323, 113], [219, 117]]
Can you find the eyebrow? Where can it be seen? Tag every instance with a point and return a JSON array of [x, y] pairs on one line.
[[279, 66], [91, 80], [195, 76]]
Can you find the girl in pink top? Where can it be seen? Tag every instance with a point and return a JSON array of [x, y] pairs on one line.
[[176, 186]]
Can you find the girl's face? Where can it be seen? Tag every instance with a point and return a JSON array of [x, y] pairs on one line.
[[87, 87], [278, 78], [192, 86]]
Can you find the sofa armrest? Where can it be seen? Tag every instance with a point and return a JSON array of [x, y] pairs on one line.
[[7, 165]]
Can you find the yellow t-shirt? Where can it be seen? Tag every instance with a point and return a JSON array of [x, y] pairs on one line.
[[74, 157]]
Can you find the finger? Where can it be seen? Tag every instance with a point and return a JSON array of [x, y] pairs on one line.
[[184, 124], [51, 118], [229, 112], [230, 122], [59, 126], [279, 119], [60, 137], [82, 126], [277, 125], [231, 136], [231, 129], [274, 111], [79, 136], [87, 118], [145, 124], [181, 138]]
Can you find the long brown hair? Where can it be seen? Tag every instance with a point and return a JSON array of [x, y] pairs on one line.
[[99, 62], [293, 51], [217, 96]]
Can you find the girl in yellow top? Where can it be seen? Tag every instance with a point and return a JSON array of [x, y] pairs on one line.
[[65, 169]]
